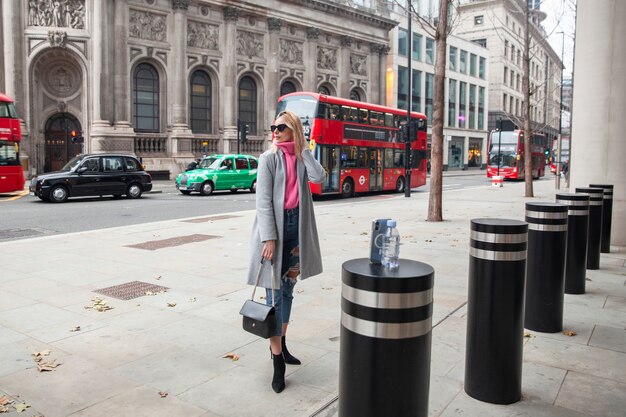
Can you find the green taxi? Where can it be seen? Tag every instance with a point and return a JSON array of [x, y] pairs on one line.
[[220, 172]]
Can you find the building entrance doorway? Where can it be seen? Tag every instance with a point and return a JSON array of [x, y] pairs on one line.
[[63, 141]]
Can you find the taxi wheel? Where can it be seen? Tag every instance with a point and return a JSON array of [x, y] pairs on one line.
[[253, 187], [134, 191], [58, 194], [206, 188]]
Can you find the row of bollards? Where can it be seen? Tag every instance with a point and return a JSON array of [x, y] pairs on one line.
[[518, 274]]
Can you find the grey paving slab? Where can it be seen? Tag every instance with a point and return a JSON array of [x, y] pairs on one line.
[[141, 402], [615, 303], [609, 338], [36, 316], [321, 373], [11, 300], [592, 396]]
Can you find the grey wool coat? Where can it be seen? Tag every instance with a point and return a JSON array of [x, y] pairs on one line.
[[268, 223]]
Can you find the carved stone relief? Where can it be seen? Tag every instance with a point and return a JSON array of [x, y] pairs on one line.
[[146, 25], [57, 13], [358, 64], [62, 80], [57, 38], [250, 44], [180, 4], [312, 33], [291, 52], [327, 58], [203, 35]]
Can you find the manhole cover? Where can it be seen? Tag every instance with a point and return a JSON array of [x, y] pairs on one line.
[[209, 219], [16, 233], [173, 241], [131, 290]]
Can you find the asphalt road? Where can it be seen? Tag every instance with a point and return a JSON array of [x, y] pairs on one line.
[[27, 216]]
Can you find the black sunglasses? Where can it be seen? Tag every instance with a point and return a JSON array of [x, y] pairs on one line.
[[280, 127]]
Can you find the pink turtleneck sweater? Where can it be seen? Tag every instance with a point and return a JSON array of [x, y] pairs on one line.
[[291, 181]]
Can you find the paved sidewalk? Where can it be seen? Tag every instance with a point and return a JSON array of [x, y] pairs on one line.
[[162, 354]]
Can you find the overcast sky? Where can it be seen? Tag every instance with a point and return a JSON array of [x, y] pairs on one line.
[[561, 18]]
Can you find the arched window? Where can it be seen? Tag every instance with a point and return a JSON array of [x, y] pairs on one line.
[[287, 87], [323, 90], [354, 95], [146, 99], [200, 103], [247, 103]]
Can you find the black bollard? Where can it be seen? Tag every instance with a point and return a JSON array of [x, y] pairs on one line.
[[594, 235], [495, 310], [577, 232], [607, 215], [545, 266], [386, 322]]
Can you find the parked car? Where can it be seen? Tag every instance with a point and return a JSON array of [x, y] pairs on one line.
[[220, 172], [93, 175]]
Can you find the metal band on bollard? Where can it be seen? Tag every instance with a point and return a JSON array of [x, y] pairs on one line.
[[495, 310], [577, 233], [607, 215], [386, 322], [594, 237], [545, 266]]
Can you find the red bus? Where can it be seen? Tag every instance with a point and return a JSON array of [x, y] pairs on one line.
[[564, 153], [506, 151], [359, 144], [11, 172]]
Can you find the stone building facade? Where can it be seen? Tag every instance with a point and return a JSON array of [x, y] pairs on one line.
[[168, 80]]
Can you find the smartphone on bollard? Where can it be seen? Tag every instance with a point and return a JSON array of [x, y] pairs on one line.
[[379, 227]]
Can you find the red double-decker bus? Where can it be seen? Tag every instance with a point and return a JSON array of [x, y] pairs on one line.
[[11, 172], [359, 144], [555, 150], [506, 154]]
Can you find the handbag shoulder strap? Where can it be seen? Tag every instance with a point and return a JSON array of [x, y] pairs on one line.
[[258, 276]]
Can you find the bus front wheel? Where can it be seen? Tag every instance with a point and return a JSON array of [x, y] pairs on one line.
[[347, 188], [400, 185]]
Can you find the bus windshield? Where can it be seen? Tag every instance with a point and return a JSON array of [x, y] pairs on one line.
[[9, 153], [7, 110], [302, 105], [504, 138]]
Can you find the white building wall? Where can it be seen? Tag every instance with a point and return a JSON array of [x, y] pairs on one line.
[[598, 147]]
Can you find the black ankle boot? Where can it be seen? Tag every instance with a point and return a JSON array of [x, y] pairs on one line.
[[289, 358], [278, 380]]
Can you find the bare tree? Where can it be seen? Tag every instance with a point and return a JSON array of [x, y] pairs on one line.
[[436, 166], [528, 134]]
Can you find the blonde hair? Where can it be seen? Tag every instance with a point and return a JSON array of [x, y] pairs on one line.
[[294, 123]]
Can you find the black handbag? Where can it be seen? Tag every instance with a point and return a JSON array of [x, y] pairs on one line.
[[259, 318]]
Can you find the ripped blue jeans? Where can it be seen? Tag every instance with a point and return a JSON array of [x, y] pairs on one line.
[[290, 262]]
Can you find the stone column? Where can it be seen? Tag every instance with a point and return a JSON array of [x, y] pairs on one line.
[[344, 66], [273, 70], [231, 15], [181, 135], [310, 76], [374, 74], [122, 76], [99, 76]]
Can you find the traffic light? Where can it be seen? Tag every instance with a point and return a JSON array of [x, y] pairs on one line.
[[245, 129], [76, 136], [401, 134]]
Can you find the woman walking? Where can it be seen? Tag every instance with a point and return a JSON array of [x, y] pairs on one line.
[[284, 230]]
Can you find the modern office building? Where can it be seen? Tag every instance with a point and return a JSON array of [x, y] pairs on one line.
[[466, 86], [498, 25], [168, 80]]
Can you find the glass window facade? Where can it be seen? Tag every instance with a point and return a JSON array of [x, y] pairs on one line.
[[429, 96], [452, 58], [472, 106], [402, 42], [481, 108], [200, 103], [416, 46], [416, 88], [430, 51], [473, 65], [463, 62], [248, 103], [403, 85], [451, 103], [482, 65], [146, 106], [462, 103]]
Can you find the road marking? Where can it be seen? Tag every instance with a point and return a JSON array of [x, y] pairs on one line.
[[450, 185], [15, 197]]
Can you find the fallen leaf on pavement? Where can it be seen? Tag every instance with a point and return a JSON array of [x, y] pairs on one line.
[[99, 304], [163, 394], [4, 409], [299, 291], [47, 366], [528, 334], [233, 356], [21, 407], [45, 352], [569, 333], [171, 304], [157, 277], [192, 300], [75, 329]]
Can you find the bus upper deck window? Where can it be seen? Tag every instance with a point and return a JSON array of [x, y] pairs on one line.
[[388, 119], [363, 116], [333, 112]]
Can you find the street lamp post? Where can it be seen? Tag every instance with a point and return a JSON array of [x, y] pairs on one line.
[[499, 144], [559, 141]]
